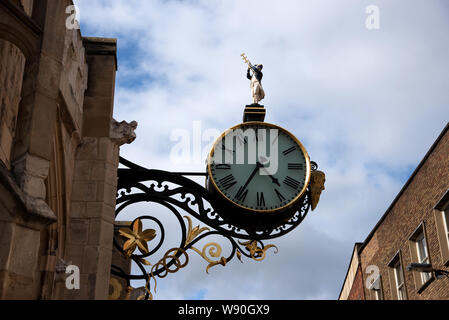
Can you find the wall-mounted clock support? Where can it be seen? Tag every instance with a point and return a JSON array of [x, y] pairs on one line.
[[185, 199]]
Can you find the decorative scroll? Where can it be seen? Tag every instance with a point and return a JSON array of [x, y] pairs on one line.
[[179, 194]]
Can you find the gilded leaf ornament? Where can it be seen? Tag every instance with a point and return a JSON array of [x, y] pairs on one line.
[[257, 253], [136, 238], [211, 253], [193, 232]]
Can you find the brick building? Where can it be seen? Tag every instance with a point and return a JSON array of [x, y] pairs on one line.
[[59, 149], [414, 229]]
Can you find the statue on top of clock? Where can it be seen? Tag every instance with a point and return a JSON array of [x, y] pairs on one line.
[[255, 75]]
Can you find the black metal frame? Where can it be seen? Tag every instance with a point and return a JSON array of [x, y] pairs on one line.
[[176, 192]]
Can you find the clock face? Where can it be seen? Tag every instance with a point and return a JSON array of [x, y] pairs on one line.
[[259, 167]]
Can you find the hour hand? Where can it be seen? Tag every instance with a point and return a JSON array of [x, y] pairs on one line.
[[273, 179]]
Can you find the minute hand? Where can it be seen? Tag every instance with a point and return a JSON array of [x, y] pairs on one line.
[[242, 190]]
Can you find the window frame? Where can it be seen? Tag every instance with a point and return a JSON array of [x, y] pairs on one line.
[[441, 215], [396, 267], [445, 213], [422, 279], [399, 281]]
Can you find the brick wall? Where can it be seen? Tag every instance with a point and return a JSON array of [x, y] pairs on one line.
[[414, 206], [357, 291]]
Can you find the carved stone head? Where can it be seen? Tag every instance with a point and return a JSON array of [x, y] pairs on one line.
[[317, 181]]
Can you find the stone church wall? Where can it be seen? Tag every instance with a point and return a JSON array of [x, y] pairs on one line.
[[59, 150]]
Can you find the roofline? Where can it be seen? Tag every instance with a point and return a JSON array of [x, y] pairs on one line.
[[432, 148], [357, 244]]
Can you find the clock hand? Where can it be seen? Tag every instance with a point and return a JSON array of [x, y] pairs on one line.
[[273, 179], [253, 174]]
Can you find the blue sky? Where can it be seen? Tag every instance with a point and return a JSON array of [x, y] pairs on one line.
[[367, 105]]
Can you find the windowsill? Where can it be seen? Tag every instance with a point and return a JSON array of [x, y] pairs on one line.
[[426, 284]]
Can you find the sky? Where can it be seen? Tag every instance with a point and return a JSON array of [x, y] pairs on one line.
[[366, 103]]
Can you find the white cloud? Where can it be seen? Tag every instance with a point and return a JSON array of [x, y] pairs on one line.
[[367, 105]]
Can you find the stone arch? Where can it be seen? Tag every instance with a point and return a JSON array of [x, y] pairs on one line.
[[12, 66], [24, 34], [19, 29], [18, 39]]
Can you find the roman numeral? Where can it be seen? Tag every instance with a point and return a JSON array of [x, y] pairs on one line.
[[241, 195], [223, 167], [292, 183], [296, 166], [280, 196], [260, 199], [288, 151], [228, 182]]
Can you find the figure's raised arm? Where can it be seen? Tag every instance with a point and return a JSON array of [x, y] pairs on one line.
[[248, 74]]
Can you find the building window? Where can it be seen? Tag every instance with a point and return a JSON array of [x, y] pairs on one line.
[[400, 283], [442, 224], [446, 223], [423, 256], [419, 252], [397, 281]]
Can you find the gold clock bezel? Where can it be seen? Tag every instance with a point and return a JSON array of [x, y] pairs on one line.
[[303, 149]]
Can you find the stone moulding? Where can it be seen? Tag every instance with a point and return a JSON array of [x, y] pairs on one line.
[[19, 29]]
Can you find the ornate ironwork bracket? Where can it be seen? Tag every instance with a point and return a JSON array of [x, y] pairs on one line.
[[179, 194]]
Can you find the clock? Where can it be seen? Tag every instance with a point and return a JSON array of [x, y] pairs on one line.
[[259, 167]]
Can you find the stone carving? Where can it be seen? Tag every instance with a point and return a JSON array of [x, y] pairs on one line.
[[35, 208], [317, 182], [123, 132]]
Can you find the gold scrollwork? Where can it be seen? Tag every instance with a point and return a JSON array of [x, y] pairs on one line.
[[193, 233], [211, 252], [214, 248], [214, 252], [172, 254], [117, 290], [256, 252]]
